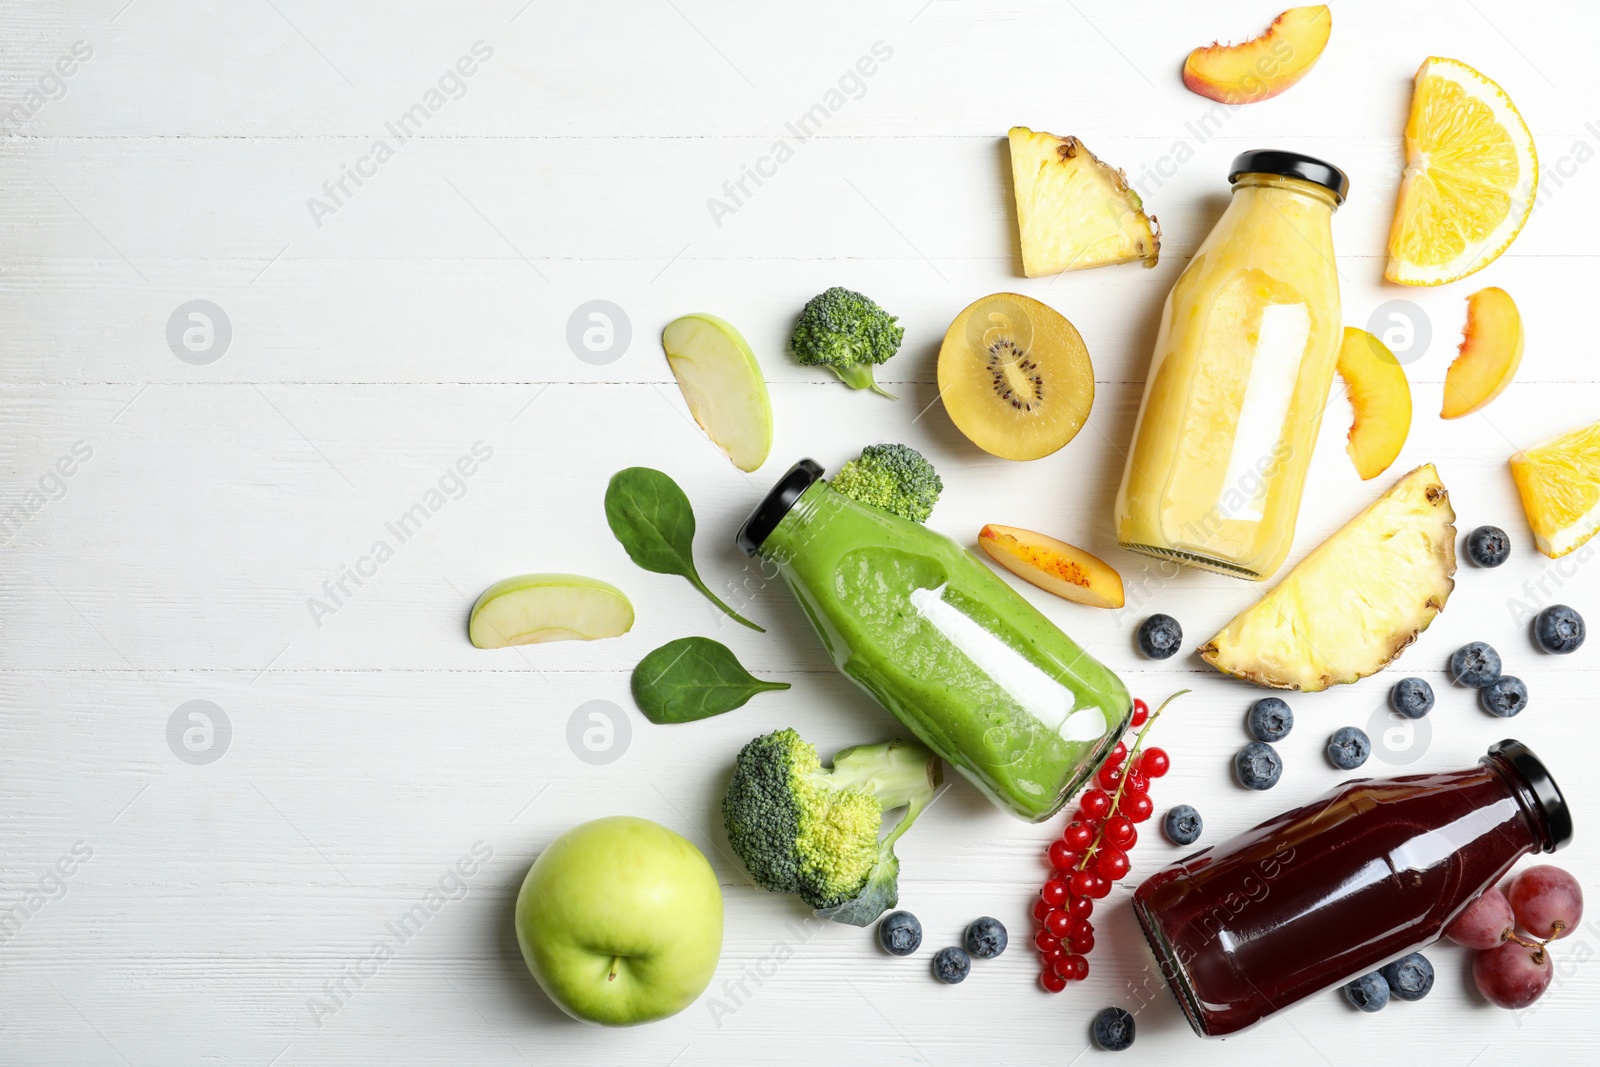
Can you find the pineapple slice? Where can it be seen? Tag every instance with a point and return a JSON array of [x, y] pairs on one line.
[[1356, 601], [1073, 211]]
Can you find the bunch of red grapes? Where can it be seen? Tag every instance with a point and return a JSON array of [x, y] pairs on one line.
[[1092, 852], [1513, 930]]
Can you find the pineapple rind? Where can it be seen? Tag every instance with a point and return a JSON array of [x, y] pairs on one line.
[[1073, 210], [1355, 603]]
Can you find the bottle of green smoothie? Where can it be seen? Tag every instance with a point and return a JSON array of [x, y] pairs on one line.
[[957, 655]]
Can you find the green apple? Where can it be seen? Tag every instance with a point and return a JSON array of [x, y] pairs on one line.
[[620, 921], [722, 384], [533, 608]]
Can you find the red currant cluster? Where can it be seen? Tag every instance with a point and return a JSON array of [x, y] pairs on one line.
[[1092, 852]]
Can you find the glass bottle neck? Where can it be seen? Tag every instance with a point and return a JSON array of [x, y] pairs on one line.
[[1298, 187]]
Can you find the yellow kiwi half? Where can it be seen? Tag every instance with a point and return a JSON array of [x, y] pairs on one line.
[[1015, 376]]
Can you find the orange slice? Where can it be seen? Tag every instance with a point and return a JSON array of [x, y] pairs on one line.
[[1560, 486], [1470, 177]]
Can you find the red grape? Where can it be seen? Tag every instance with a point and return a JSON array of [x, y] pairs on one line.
[[1077, 836], [1141, 712], [1058, 923], [1051, 981], [1137, 807], [1117, 755], [1096, 804], [1485, 923], [1061, 855], [1155, 762], [1548, 901], [1080, 907], [1041, 908], [1111, 862], [1054, 892], [1513, 975]]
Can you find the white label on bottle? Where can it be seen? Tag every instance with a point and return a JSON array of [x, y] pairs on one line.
[[1274, 369], [1035, 691]]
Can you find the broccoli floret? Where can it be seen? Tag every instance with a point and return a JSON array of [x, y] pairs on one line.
[[813, 832], [896, 478], [849, 334]]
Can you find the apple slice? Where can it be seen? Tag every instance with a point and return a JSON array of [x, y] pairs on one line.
[[722, 383], [1054, 566], [1491, 351], [531, 609], [1381, 396], [1265, 66]]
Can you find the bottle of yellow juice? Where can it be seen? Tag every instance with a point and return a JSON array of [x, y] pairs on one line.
[[1240, 376]]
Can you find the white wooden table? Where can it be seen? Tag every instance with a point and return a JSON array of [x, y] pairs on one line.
[[359, 748]]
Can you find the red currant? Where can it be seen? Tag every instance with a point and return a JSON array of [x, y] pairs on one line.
[[1054, 892], [1083, 883], [1064, 967], [1080, 907], [1080, 967], [1155, 762], [1051, 981], [1047, 958], [1079, 929], [1077, 836], [1060, 856], [1058, 923], [1045, 943], [1109, 777], [1040, 910], [1082, 943], [1141, 712], [1111, 862], [1135, 781], [1117, 755], [1096, 804], [1120, 831], [1102, 887], [1138, 807]]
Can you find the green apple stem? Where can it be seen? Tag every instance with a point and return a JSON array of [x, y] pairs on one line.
[[616, 965]]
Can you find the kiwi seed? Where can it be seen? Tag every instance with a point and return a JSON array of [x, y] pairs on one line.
[[1015, 375]]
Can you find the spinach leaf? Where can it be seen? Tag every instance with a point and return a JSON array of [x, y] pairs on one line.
[[693, 678], [652, 518]]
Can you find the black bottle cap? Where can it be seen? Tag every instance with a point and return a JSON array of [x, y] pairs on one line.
[[776, 504], [1557, 816], [1291, 165]]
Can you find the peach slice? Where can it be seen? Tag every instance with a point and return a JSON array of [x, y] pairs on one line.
[[1054, 566], [1381, 397], [1265, 66], [1491, 351]]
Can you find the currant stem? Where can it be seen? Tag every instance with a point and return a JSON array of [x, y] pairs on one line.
[[1116, 801]]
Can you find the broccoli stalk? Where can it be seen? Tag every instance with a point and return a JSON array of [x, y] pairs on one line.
[[896, 478], [849, 334], [812, 831]]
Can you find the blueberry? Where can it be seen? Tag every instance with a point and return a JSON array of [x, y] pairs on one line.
[[1113, 1029], [1160, 636], [1258, 765], [1370, 992], [985, 938], [1558, 629], [1349, 748], [1182, 825], [1411, 697], [1409, 977], [1475, 665], [1505, 697], [1488, 546], [1270, 719], [950, 965], [900, 933]]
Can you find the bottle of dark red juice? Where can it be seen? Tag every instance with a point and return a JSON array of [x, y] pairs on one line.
[[1325, 893]]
